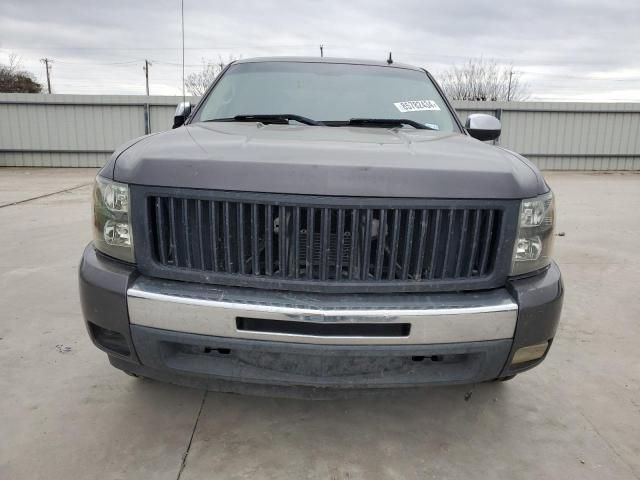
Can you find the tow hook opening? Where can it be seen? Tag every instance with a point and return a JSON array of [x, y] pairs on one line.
[[422, 358], [221, 351]]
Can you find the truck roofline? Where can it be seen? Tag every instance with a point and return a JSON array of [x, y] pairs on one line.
[[347, 61]]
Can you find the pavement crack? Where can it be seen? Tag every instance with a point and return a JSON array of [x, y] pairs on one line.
[[193, 432], [10, 204], [608, 444]]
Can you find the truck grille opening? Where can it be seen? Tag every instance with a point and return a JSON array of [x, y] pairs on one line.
[[282, 242], [323, 329]]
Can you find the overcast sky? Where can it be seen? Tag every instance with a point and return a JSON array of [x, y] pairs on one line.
[[568, 50]]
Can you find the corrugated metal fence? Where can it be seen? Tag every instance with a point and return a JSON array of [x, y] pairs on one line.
[[568, 136], [83, 130], [75, 130]]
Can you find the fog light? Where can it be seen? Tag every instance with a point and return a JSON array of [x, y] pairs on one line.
[[532, 352]]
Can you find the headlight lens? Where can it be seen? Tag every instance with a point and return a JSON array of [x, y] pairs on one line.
[[534, 242], [111, 221]]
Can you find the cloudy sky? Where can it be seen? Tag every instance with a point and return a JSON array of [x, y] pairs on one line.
[[567, 50]]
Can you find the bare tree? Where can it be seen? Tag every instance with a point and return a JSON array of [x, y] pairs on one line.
[[15, 80], [483, 80], [198, 82]]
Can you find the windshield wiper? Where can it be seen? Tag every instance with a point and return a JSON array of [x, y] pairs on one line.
[[387, 122], [280, 119]]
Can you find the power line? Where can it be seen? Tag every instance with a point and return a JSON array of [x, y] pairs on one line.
[[523, 72], [578, 77], [228, 47], [130, 62], [417, 54]]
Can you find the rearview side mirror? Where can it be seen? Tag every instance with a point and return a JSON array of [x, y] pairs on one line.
[[183, 110], [482, 126]]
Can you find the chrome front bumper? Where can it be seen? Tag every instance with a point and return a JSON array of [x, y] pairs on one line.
[[117, 302], [432, 318]]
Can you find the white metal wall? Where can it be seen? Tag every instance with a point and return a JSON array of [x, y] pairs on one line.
[[75, 130], [83, 130], [568, 136]]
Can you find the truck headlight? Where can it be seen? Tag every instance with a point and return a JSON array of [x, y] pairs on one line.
[[534, 242], [111, 223]]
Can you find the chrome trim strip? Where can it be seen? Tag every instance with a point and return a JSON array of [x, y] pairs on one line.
[[496, 319]]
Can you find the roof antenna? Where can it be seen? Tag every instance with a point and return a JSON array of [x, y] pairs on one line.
[[389, 60], [182, 22]]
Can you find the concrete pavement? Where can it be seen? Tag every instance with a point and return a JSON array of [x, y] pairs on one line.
[[23, 184], [65, 413]]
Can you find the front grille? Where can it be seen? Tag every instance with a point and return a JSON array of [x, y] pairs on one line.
[[283, 241]]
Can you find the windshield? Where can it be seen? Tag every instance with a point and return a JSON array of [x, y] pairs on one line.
[[327, 92]]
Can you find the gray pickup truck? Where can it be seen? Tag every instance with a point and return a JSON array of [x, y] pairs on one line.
[[320, 223]]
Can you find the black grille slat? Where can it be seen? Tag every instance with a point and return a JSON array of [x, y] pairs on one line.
[[355, 238], [255, 252], [186, 227], [324, 243], [214, 236], [296, 242], [199, 228], [406, 259], [240, 242], [448, 243], [462, 244], [474, 242], [311, 213], [160, 230], [282, 241], [487, 242], [325, 230], [173, 245], [366, 248], [226, 229], [381, 244], [268, 241], [424, 229], [434, 249], [340, 245], [393, 249]]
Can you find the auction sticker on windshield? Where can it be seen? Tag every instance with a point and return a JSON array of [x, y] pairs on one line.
[[416, 105]]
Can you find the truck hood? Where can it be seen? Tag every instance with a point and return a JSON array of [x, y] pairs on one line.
[[312, 160]]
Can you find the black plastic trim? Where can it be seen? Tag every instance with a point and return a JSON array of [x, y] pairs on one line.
[[326, 329], [179, 357], [539, 300], [103, 283]]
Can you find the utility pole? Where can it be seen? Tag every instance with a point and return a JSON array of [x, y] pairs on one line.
[[509, 89], [321, 51], [46, 62], [147, 64]]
